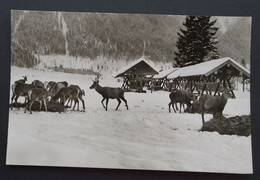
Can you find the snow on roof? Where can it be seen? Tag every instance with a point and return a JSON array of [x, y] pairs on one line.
[[127, 67], [207, 68], [165, 73]]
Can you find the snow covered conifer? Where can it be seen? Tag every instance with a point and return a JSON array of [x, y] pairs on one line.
[[196, 42]]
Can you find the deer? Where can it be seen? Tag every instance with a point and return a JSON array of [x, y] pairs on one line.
[[194, 108], [65, 93], [22, 80], [109, 93], [54, 88], [21, 89], [181, 96], [38, 84], [18, 81], [37, 94], [49, 84], [76, 94], [214, 104]]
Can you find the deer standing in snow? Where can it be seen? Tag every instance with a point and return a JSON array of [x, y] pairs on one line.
[[37, 94], [181, 96], [109, 93], [214, 104]]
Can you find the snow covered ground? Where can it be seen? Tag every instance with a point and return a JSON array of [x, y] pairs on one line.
[[146, 136]]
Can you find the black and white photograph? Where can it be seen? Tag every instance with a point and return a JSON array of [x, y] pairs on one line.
[[130, 91]]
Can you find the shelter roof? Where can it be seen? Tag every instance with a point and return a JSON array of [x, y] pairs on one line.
[[165, 73], [133, 66], [207, 68]]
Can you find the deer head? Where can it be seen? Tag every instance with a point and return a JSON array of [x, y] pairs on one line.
[[226, 93], [83, 92], [94, 85], [25, 78]]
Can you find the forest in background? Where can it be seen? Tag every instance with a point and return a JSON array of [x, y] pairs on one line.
[[112, 36]]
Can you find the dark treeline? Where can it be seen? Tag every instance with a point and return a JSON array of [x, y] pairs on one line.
[[113, 36]]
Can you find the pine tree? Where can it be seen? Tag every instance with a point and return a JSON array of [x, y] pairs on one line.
[[197, 42]]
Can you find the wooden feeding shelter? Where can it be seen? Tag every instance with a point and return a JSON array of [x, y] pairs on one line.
[[160, 81], [136, 75], [212, 76]]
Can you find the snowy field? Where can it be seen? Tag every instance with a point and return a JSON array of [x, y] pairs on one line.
[[146, 136]]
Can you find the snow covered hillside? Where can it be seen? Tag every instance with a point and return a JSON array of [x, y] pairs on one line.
[[102, 65], [146, 136]]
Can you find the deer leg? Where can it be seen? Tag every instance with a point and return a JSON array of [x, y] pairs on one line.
[[69, 102], [83, 103], [202, 115], [103, 103], [180, 106], [26, 107], [74, 104], [123, 98], [119, 102], [78, 103], [12, 99], [30, 106], [16, 98], [106, 103], [169, 106], [45, 104], [40, 105], [62, 101], [177, 109], [26, 99], [173, 106]]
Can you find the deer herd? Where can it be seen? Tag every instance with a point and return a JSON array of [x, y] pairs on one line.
[[63, 92]]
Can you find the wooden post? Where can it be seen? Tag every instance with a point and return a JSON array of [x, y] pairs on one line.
[[204, 86], [217, 88], [243, 84], [186, 83], [230, 87]]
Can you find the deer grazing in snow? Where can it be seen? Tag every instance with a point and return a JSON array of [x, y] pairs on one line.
[[37, 94], [72, 92], [109, 93], [76, 93], [63, 94], [214, 104], [181, 96], [53, 87]]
